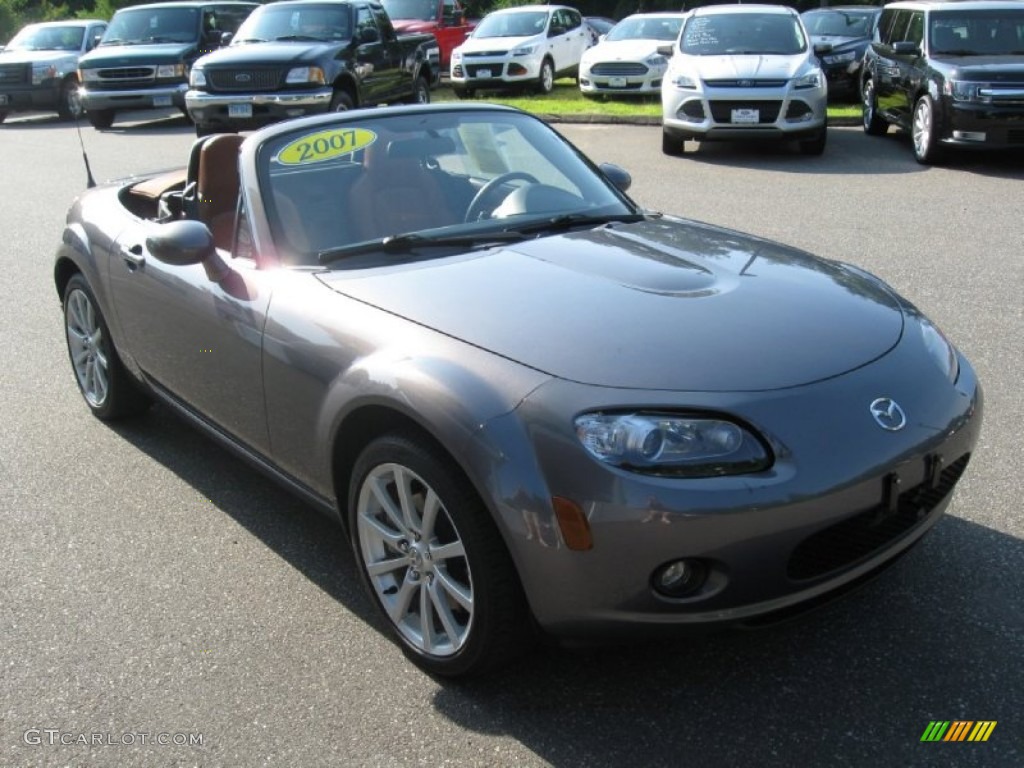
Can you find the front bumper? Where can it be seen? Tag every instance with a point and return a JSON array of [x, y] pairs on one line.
[[843, 500], [637, 81], [743, 113], [155, 97], [33, 98], [983, 125], [247, 111], [494, 72]]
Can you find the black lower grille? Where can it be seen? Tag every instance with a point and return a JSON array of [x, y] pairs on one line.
[[768, 111], [474, 69], [860, 536], [619, 69], [244, 79]]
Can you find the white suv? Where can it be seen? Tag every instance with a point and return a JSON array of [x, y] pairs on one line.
[[529, 45], [741, 72]]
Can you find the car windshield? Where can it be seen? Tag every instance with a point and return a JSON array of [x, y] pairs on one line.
[[526, 24], [977, 33], [839, 23], [414, 180], [422, 10], [153, 25], [646, 28], [48, 38], [306, 22], [742, 33]]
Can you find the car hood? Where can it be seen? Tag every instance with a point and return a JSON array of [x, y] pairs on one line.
[[622, 50], [996, 69], [408, 26], [661, 304], [244, 54], [750, 67], [475, 44], [127, 55], [37, 57]]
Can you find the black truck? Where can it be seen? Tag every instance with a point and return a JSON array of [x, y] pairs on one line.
[[300, 57]]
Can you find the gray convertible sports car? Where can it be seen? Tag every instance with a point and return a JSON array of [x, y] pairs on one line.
[[536, 407]]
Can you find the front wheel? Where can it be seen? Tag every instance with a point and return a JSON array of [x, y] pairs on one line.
[[3, 116], [815, 146], [546, 81], [433, 559], [70, 105], [922, 131], [106, 386], [100, 119], [342, 102], [672, 146], [873, 124], [420, 91]]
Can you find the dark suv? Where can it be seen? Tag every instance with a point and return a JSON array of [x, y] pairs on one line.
[[144, 58], [952, 73]]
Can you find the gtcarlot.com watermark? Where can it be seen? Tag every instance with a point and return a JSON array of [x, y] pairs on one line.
[[55, 737]]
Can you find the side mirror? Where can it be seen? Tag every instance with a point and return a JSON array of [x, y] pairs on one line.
[[369, 35], [619, 177], [181, 243], [906, 48], [556, 31], [226, 38], [666, 50]]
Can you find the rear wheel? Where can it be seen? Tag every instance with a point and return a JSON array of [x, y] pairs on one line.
[[873, 124], [546, 81], [433, 559], [106, 386], [100, 119], [922, 131], [70, 105], [420, 91]]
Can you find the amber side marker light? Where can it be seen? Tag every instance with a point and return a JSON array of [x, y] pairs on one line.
[[573, 524]]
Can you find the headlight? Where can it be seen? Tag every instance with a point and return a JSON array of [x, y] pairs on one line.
[[962, 90], [305, 75], [89, 75], [43, 72], [671, 445], [940, 349], [685, 81], [170, 70], [656, 61], [840, 58], [456, 55], [525, 50], [197, 78], [812, 80]]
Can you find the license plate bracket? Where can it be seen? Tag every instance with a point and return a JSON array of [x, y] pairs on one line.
[[745, 116], [240, 110]]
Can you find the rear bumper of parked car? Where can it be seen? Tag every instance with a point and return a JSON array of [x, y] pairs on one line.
[[709, 114], [156, 97], [229, 110], [982, 125], [773, 543]]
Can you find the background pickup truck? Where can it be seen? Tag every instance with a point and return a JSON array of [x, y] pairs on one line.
[[299, 58], [444, 19]]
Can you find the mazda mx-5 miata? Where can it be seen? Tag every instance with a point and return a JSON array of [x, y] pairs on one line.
[[537, 408]]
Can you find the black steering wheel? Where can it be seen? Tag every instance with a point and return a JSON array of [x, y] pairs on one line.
[[477, 207]]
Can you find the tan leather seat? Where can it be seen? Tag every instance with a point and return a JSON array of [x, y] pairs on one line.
[[396, 192], [217, 186]]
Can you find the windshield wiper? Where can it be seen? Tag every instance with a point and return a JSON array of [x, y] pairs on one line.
[[959, 52], [301, 38], [412, 241], [249, 40], [572, 220]]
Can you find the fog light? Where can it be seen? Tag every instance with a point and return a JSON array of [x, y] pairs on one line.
[[680, 578], [969, 135]]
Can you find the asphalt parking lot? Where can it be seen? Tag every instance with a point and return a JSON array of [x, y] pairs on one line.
[[153, 586]]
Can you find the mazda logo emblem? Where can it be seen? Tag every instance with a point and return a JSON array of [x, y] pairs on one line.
[[243, 77], [888, 414]]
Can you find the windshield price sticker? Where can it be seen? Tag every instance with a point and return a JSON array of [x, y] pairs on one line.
[[326, 145]]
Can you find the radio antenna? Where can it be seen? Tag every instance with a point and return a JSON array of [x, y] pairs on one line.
[[90, 182]]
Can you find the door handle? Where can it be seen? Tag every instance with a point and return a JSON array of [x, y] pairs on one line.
[[133, 257]]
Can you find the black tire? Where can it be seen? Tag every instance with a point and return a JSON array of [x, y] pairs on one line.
[[924, 131], [546, 79], [188, 117], [873, 124], [342, 102], [462, 93], [69, 106], [100, 119], [420, 91], [672, 146], [478, 617], [107, 388], [815, 146], [3, 116]]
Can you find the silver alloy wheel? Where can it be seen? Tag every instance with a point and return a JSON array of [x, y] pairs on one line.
[[868, 104], [547, 77], [415, 560], [85, 340], [922, 127]]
